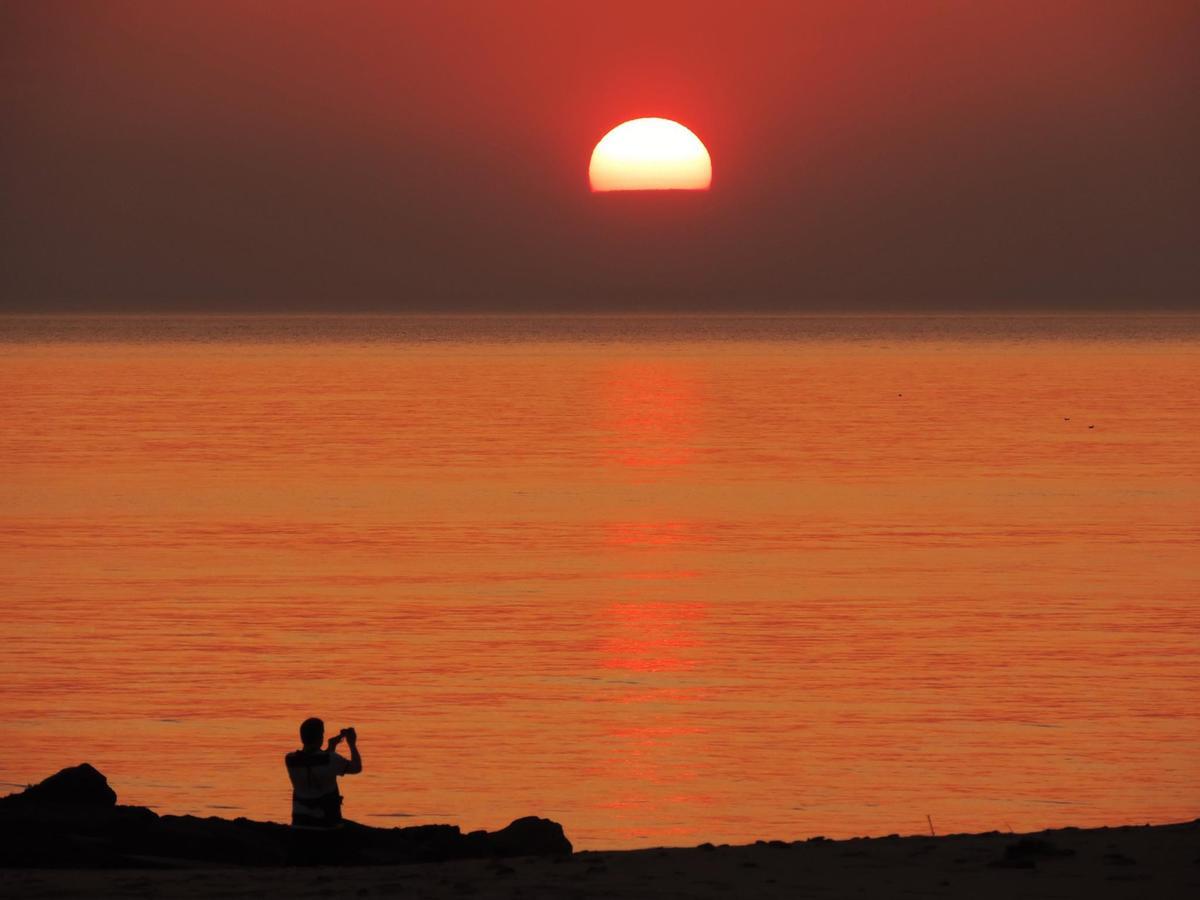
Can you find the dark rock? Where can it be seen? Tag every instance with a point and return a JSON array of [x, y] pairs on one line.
[[71, 820], [1035, 848], [80, 785], [530, 836], [241, 842], [1025, 853]]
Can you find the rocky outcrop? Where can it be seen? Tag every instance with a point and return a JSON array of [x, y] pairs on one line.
[[81, 785], [72, 820], [529, 836]]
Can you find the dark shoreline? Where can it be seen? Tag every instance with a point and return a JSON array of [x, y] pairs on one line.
[[1161, 861], [72, 821], [67, 837]]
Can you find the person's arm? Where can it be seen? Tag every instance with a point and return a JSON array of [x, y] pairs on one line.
[[355, 759]]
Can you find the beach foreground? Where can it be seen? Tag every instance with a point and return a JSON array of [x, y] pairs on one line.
[[1132, 861], [67, 837]]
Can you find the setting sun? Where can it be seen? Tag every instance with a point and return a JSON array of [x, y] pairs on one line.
[[650, 155]]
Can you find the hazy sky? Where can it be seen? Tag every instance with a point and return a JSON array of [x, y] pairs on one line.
[[261, 156]]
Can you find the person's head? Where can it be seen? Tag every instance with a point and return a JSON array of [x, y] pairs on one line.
[[312, 733]]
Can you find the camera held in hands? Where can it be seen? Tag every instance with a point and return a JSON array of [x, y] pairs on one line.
[[349, 734]]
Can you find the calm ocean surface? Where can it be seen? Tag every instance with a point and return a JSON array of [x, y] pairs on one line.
[[665, 580]]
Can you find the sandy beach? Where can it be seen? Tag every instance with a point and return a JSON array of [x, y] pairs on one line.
[[1134, 861]]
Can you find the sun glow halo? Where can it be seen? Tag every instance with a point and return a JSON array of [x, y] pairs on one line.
[[650, 155]]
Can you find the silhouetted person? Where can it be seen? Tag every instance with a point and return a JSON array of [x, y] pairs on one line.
[[316, 800]]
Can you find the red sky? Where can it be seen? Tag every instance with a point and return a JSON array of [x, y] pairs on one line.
[[264, 156]]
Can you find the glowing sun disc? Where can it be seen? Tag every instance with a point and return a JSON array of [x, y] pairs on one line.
[[650, 155]]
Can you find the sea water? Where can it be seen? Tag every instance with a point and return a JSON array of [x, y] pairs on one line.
[[662, 579]]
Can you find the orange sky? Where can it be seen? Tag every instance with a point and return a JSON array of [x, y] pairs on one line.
[[425, 155]]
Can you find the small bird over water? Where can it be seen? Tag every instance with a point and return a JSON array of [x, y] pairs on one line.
[[1091, 426]]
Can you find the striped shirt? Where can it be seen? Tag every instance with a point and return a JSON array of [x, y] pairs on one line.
[[316, 802]]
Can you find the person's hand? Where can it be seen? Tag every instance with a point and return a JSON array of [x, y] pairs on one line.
[[350, 734], [334, 741]]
